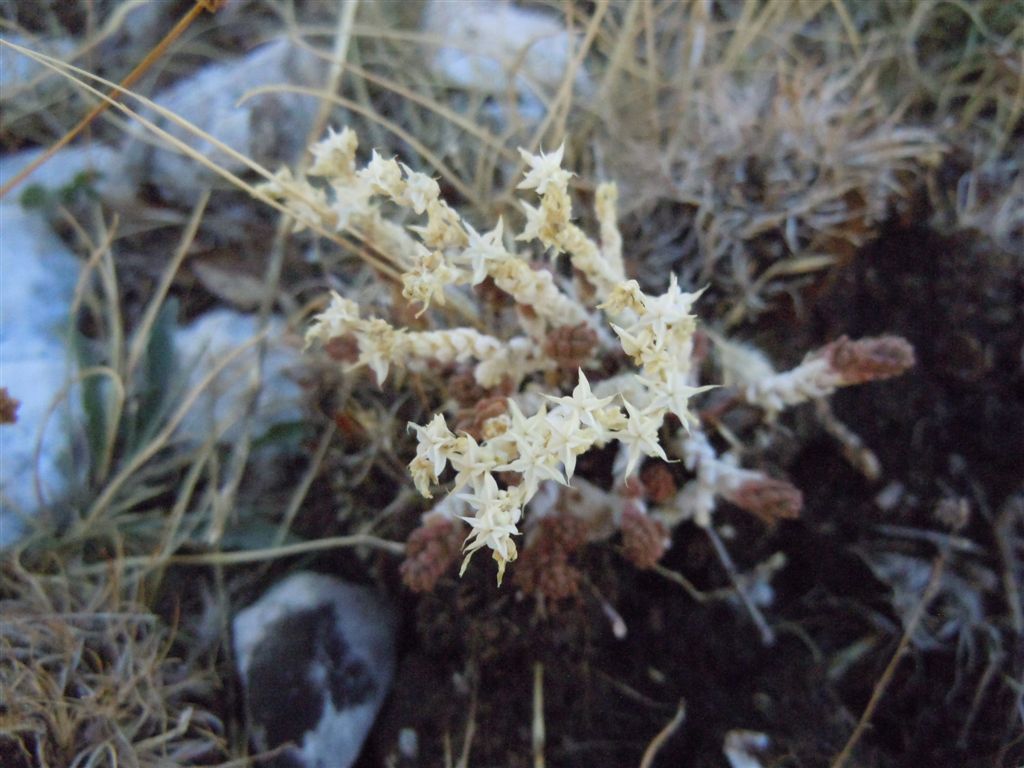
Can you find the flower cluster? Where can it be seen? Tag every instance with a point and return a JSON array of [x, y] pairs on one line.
[[519, 435], [839, 364], [538, 448]]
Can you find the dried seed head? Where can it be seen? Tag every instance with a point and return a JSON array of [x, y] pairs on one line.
[[474, 421], [490, 293], [8, 407], [463, 388], [659, 484], [644, 539], [344, 349], [769, 499], [430, 551], [570, 345], [543, 569], [870, 359]]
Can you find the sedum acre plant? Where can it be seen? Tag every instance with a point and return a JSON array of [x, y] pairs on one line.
[[529, 409]]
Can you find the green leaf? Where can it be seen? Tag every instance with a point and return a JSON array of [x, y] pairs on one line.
[[159, 377], [35, 197], [285, 434], [255, 534], [94, 401]]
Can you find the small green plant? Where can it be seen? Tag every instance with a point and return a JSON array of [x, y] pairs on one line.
[[535, 410]]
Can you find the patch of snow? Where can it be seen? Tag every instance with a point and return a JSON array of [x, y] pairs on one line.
[[37, 280], [491, 45], [200, 346]]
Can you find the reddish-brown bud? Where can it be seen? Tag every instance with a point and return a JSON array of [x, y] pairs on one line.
[[570, 345], [870, 359], [344, 349], [463, 388], [644, 539], [659, 484], [543, 568], [8, 407], [769, 499], [489, 292], [472, 420], [430, 551]]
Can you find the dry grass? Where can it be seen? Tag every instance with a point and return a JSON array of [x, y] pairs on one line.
[[89, 679], [757, 145]]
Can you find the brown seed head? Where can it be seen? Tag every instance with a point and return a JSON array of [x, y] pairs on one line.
[[430, 551], [543, 569], [472, 420], [8, 407], [464, 390], [644, 539], [869, 359], [769, 499], [659, 484], [570, 345], [344, 349]]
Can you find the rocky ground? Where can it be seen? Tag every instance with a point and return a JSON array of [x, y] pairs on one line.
[[204, 525]]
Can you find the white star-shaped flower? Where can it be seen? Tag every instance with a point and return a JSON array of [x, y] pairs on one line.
[[674, 392], [351, 198], [583, 402], [470, 460], [420, 190], [670, 309], [497, 514], [535, 223], [483, 250], [535, 460], [379, 344], [335, 155], [434, 441], [383, 176], [568, 438], [545, 170], [641, 435], [339, 318]]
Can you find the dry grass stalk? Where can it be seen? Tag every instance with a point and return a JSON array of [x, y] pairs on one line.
[[88, 679]]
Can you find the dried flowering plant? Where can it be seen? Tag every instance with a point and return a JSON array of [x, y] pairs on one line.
[[519, 448]]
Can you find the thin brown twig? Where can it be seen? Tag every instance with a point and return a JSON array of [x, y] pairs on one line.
[[537, 729], [1009, 516], [243, 557], [663, 735], [140, 69], [930, 590], [767, 634]]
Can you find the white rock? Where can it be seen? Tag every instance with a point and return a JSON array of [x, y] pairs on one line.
[[491, 44], [741, 746], [112, 182], [17, 69], [200, 346], [37, 279], [316, 657], [270, 128]]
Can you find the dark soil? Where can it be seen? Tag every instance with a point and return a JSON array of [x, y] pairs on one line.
[[953, 427]]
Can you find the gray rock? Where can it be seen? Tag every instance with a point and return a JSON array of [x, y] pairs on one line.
[[37, 280], [316, 657], [205, 342], [492, 44], [270, 128], [111, 181], [17, 70]]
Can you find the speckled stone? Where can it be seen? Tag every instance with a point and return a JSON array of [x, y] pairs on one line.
[[316, 657]]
